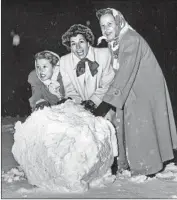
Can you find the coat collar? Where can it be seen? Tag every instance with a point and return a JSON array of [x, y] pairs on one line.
[[121, 34], [90, 56]]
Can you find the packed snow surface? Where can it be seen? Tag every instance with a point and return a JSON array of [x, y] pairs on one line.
[[65, 148]]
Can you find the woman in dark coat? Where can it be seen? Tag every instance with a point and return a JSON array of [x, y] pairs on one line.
[[144, 118], [46, 81]]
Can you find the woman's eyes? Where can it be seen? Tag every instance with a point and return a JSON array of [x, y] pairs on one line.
[[41, 67], [81, 41], [109, 24]]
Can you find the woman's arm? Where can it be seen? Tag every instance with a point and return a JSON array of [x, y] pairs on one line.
[[106, 78], [36, 91], [130, 56]]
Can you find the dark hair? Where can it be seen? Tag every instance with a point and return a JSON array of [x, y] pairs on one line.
[[74, 31], [102, 12]]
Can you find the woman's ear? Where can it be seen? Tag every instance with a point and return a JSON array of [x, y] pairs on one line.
[[122, 23]]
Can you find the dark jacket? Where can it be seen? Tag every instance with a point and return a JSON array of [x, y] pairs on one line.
[[40, 91]]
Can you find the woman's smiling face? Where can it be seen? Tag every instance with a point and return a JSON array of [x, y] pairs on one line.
[[79, 46], [44, 69], [109, 27]]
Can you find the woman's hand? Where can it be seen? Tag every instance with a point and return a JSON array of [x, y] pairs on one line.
[[89, 105], [41, 105], [63, 100], [103, 109]]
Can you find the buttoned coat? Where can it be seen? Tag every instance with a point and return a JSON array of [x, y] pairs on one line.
[[94, 87], [140, 94]]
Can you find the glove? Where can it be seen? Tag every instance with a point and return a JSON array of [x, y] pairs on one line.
[[63, 100], [83, 103], [103, 109], [41, 105], [89, 105]]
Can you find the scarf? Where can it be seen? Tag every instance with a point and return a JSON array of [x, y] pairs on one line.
[[81, 67], [114, 45]]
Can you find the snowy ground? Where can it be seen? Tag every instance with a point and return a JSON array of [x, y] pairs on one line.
[[14, 184]]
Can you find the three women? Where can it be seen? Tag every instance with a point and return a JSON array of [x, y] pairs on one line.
[[137, 97]]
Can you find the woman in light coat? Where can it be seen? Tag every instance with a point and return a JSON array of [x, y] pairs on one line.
[[86, 71], [144, 118]]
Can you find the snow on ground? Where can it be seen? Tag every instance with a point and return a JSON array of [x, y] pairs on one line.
[[15, 185], [15, 174]]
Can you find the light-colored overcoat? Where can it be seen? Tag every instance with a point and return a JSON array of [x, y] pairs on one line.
[[140, 94], [86, 86]]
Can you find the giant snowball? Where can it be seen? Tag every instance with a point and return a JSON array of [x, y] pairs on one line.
[[65, 148]]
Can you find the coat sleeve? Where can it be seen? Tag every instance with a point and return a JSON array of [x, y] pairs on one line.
[[60, 80], [69, 88], [36, 91], [106, 79], [130, 56]]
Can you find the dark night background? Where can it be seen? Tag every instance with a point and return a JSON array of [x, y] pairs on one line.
[[41, 24]]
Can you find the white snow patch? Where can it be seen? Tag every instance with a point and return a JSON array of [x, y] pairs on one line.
[[174, 196], [169, 173], [165, 175], [65, 148], [171, 167], [138, 179], [15, 174], [125, 174], [8, 128]]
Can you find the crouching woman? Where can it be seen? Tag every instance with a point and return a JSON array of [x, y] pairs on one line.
[[46, 81]]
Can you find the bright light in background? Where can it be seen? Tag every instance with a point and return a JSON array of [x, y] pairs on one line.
[[88, 23], [16, 38]]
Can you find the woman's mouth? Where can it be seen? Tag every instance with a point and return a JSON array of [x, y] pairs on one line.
[[80, 53], [42, 75], [108, 34]]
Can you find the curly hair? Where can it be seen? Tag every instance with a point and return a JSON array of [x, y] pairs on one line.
[[73, 31], [102, 12], [53, 59]]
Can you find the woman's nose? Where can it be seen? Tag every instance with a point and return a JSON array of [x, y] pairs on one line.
[[77, 46], [41, 69], [106, 29]]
